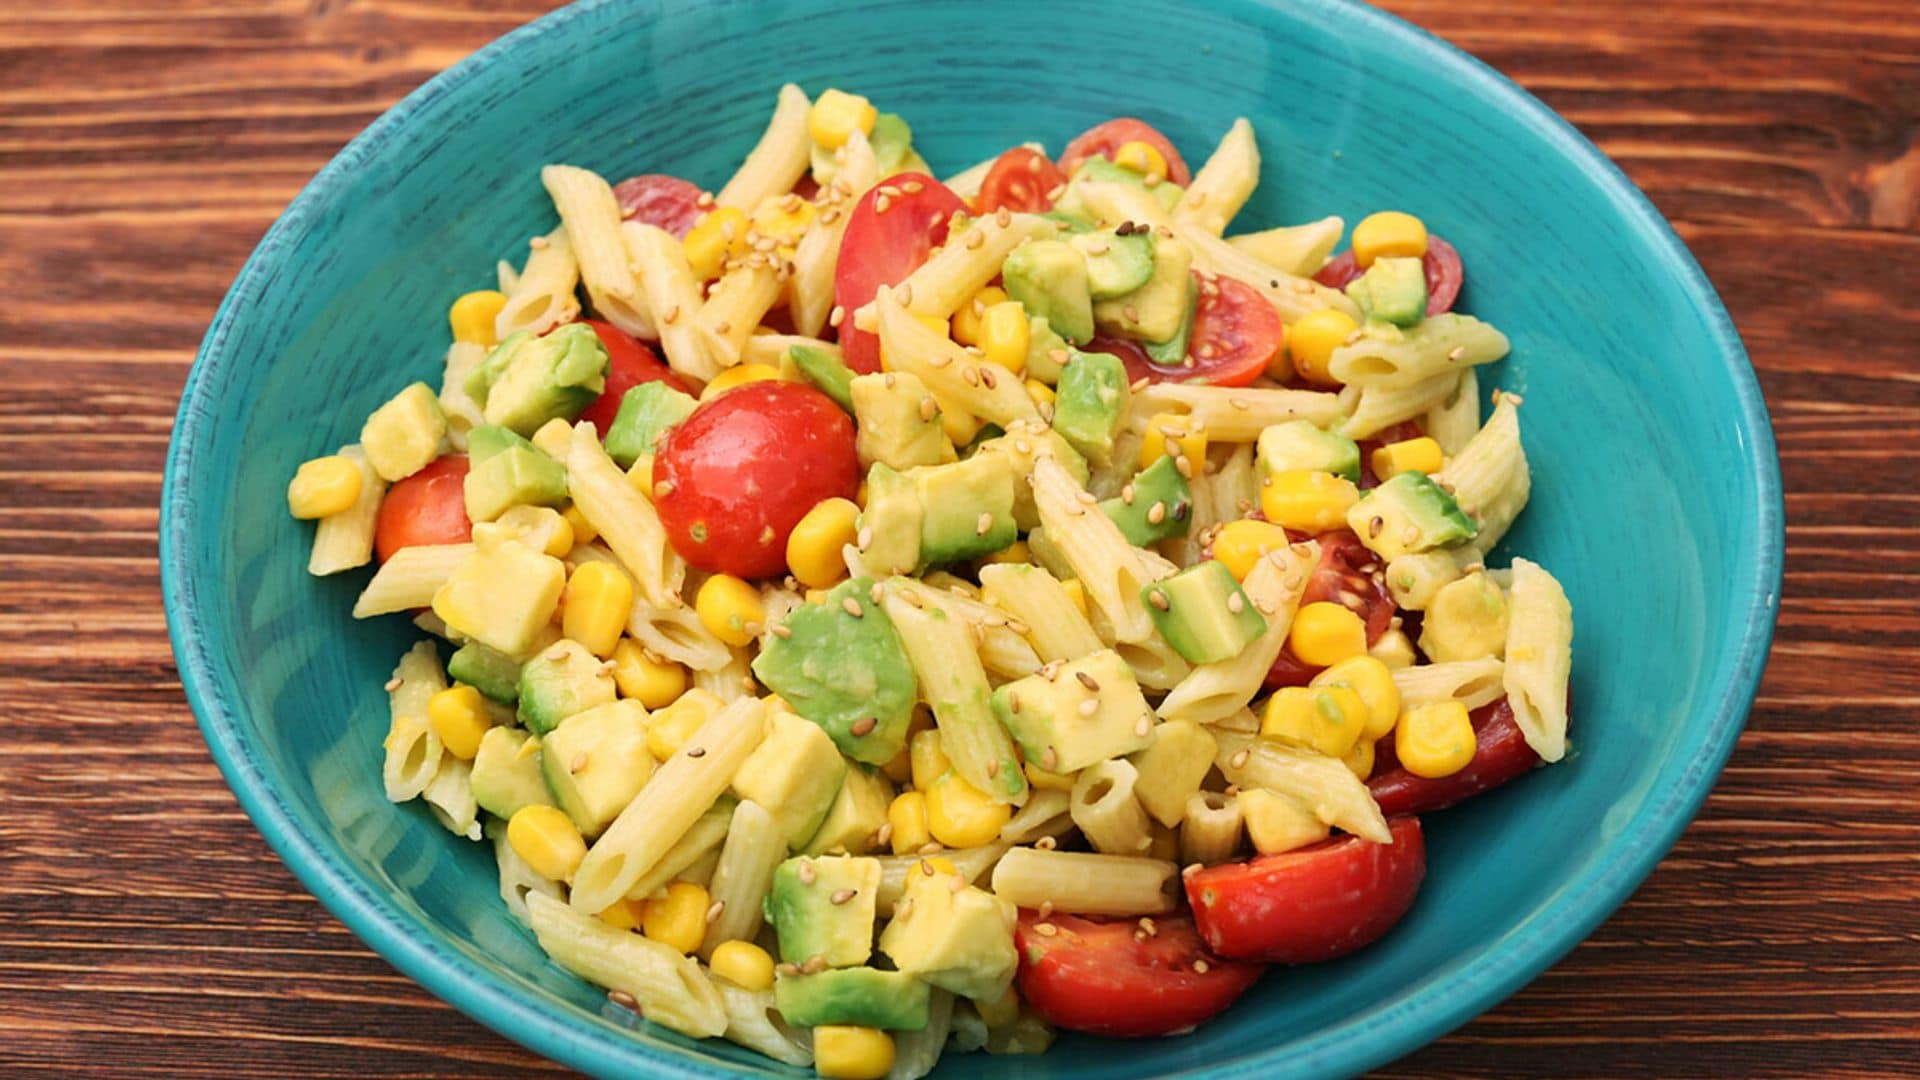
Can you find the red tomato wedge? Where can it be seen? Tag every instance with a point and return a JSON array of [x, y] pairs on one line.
[[429, 507], [1305, 906], [1107, 978], [1338, 578], [664, 201], [1500, 754], [1235, 333], [629, 363], [883, 247], [1441, 265], [1019, 180], [734, 478], [1101, 140]]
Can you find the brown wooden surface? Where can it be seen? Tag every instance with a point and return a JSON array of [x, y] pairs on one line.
[[145, 928]]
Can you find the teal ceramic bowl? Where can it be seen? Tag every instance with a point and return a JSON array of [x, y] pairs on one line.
[[1656, 498]]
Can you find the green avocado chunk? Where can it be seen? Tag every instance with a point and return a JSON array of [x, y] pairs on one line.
[[506, 773], [487, 670], [808, 921], [966, 508], [826, 371], [1091, 402], [1117, 263], [862, 996], [1155, 311], [507, 471], [403, 436], [1100, 170], [1050, 720], [844, 673], [1203, 613], [955, 936], [898, 424], [1023, 447], [1394, 289], [1173, 351], [858, 813], [1049, 279], [890, 523], [595, 761], [526, 380], [1046, 351], [646, 412], [1161, 507], [559, 682], [1409, 513], [1297, 444]]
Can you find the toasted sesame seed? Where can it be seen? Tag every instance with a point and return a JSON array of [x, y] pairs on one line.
[[1049, 759], [1454, 354], [836, 316], [538, 243], [663, 489], [623, 999], [752, 628], [851, 606], [956, 883], [807, 872], [1019, 627], [1236, 603], [558, 652], [1157, 513], [718, 909], [1191, 869], [985, 526], [974, 239], [1126, 495], [841, 896], [1200, 966], [394, 684], [877, 593], [1140, 384], [884, 835], [1411, 535], [989, 378], [697, 752], [902, 909], [880, 204], [863, 726], [1158, 598], [1239, 760], [1184, 466], [780, 631], [1089, 706], [1003, 217], [1143, 725], [704, 200], [972, 376], [864, 538], [815, 965], [929, 409], [1087, 681], [926, 868]]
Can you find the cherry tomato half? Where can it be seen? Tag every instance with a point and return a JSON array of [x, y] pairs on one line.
[[1101, 140], [1019, 181], [629, 363], [1107, 979], [1235, 333], [1305, 906], [429, 507], [883, 248], [1500, 753], [1441, 265], [1338, 578], [667, 202], [733, 479]]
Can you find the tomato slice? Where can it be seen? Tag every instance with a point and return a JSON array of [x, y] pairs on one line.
[[629, 363], [1108, 978], [1339, 577], [733, 479], [1235, 333], [883, 248], [1441, 265], [1305, 906], [1500, 754], [1101, 140], [1019, 180], [429, 507], [668, 202]]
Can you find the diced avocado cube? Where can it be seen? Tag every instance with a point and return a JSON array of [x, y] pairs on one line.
[[1023, 447], [1049, 278], [891, 522], [898, 422], [861, 996], [487, 670], [958, 939], [1154, 311], [1203, 613], [1297, 444], [892, 142], [1116, 264], [1091, 402], [826, 371], [1173, 351], [808, 919], [506, 773], [595, 762], [1158, 506], [646, 412], [1102, 170], [1409, 513], [502, 597], [526, 380], [562, 680], [508, 471], [854, 821], [1046, 351], [845, 674], [795, 774], [1069, 225], [1465, 620], [966, 508], [1394, 289], [1091, 710], [404, 435]]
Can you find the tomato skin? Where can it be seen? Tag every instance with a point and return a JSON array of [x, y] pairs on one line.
[[668, 202], [1019, 181], [1101, 140], [1235, 333], [743, 470], [429, 507], [1441, 265], [629, 363], [882, 249], [1338, 578], [1500, 754], [1314, 904], [1093, 976]]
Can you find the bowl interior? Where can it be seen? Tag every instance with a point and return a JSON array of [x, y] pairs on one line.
[[1655, 496]]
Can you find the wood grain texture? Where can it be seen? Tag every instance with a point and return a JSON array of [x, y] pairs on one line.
[[146, 929]]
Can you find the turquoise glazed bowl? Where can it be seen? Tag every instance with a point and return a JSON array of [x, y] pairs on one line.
[[1656, 493]]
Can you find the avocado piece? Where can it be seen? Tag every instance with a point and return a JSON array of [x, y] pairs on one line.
[[561, 681], [800, 906], [1047, 352], [966, 508], [503, 597], [1117, 263], [1100, 170], [1298, 444], [954, 936], [843, 673], [506, 773], [1465, 620], [854, 821], [898, 422], [646, 412], [892, 142], [508, 471], [891, 521], [1173, 351], [1409, 513], [595, 762], [1203, 613], [795, 773], [1049, 279], [1069, 224], [1394, 289], [1158, 485], [403, 436], [526, 380], [488, 670], [1050, 720], [1155, 311], [1091, 402], [1023, 446], [862, 996], [825, 371]]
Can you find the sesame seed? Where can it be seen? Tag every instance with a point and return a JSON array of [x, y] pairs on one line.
[[1157, 513], [1140, 384], [1049, 759], [1131, 313], [1143, 725], [926, 868], [538, 243], [1184, 466], [753, 629], [1089, 707], [1058, 356], [672, 315], [1002, 217], [663, 489], [929, 409], [881, 838], [877, 593], [1097, 249], [1239, 760], [1201, 967], [723, 327], [842, 896], [1454, 354], [787, 969], [1266, 607], [834, 317], [713, 913], [903, 908], [956, 883], [1126, 495], [913, 187], [985, 526], [1191, 869], [1158, 598], [697, 752], [1086, 497], [1054, 193], [851, 606], [863, 726], [974, 239], [394, 684], [880, 204], [890, 379], [815, 965], [972, 376], [864, 538], [1236, 603], [558, 652], [939, 360], [1087, 681], [1411, 535], [807, 873], [904, 294], [623, 999], [780, 632], [704, 201], [987, 376], [1019, 627]]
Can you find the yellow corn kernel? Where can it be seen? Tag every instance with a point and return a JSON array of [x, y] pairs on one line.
[[1003, 335], [546, 838], [907, 822], [816, 548], [583, 530], [1371, 679], [966, 321], [845, 1052], [677, 920], [730, 609], [653, 683], [1173, 434], [1076, 592], [1329, 719], [1307, 500], [1243, 543], [624, 914], [1388, 234], [738, 375], [1435, 740], [1360, 759], [743, 964], [960, 815], [1048, 781], [1311, 341], [719, 235], [1016, 552], [1325, 633], [459, 717], [836, 115], [1411, 455], [929, 760], [641, 475], [1042, 395], [595, 607], [1142, 158], [784, 218], [473, 316], [324, 487], [1000, 1011], [670, 728]]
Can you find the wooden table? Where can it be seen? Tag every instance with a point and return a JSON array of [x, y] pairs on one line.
[[146, 929]]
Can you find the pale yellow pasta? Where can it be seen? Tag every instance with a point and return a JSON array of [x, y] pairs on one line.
[[1224, 183], [754, 1022], [673, 295], [754, 846], [1454, 422], [450, 796], [1171, 770], [1103, 805], [505, 276], [1036, 599], [344, 540], [967, 263], [413, 751], [1233, 414], [810, 290], [670, 989], [677, 634], [775, 351], [517, 879], [409, 578], [542, 297], [1489, 476], [778, 159], [1004, 650], [1300, 250], [1539, 658], [1415, 577], [735, 305], [1438, 344], [730, 681], [623, 518], [1079, 883], [700, 839], [915, 1053], [462, 412], [957, 378], [1220, 689], [954, 684], [1044, 815], [1324, 784], [1109, 568], [1472, 683], [1210, 828], [1376, 406], [970, 863], [591, 216]]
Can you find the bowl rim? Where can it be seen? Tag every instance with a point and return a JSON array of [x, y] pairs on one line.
[[1343, 1049]]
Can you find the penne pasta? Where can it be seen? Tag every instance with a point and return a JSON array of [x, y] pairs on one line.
[[958, 380], [1044, 815], [1472, 683], [1109, 568], [1299, 250], [915, 1053], [730, 681], [1224, 183], [409, 578], [954, 684], [590, 214], [1233, 414], [778, 159], [413, 751], [517, 879], [677, 634], [810, 290], [450, 796], [673, 295], [344, 541], [462, 412], [753, 1022], [1210, 828], [542, 296], [1079, 883], [1539, 658], [970, 260], [1324, 784], [1218, 690], [1036, 598], [1103, 805], [753, 847], [1374, 408], [670, 989], [970, 863], [623, 518], [735, 305], [1437, 345], [1454, 422], [1489, 476], [702, 838]]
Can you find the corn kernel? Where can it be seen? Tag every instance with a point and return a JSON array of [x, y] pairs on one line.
[[1173, 434], [784, 219], [1076, 592], [595, 607], [641, 475], [738, 375], [546, 838], [1307, 500], [1360, 759], [653, 683], [1016, 552], [459, 717], [1042, 395], [670, 728], [967, 321], [907, 821], [1003, 335], [1325, 633], [743, 964], [583, 530], [929, 760], [960, 815], [1369, 678], [845, 1052], [324, 487], [624, 914], [719, 235], [473, 316], [730, 609], [1411, 455], [1000, 1011], [1242, 544], [836, 115], [816, 548], [1311, 341], [1388, 234], [1329, 719], [677, 920], [1143, 158], [1435, 740], [1277, 823]]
